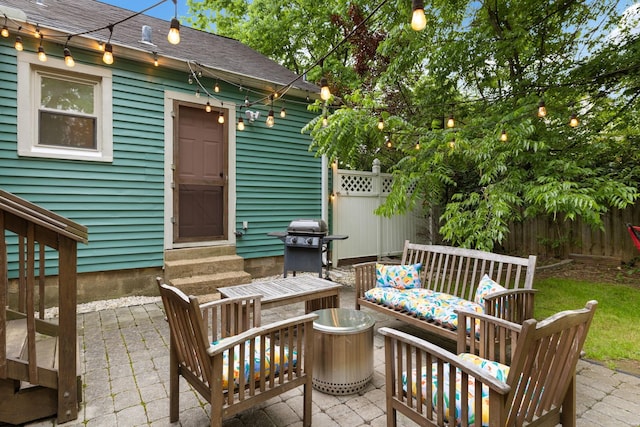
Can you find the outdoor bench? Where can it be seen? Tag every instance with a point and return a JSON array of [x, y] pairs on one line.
[[448, 279]]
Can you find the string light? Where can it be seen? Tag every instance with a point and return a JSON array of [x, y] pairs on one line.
[[174, 30], [388, 142], [452, 143], [418, 20], [36, 33], [325, 92], [270, 120], [503, 136], [198, 93], [451, 122], [221, 117], [380, 123], [18, 44], [573, 121], [5, 30], [42, 56], [107, 58], [542, 110], [68, 59], [216, 88], [418, 145], [325, 120], [155, 58], [283, 113], [240, 124]]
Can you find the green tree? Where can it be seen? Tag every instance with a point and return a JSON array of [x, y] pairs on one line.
[[488, 64]]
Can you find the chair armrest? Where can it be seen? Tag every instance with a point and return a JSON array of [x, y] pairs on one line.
[[514, 305], [405, 354], [230, 316], [492, 338]]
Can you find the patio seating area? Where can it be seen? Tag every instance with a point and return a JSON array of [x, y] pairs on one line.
[[125, 371]]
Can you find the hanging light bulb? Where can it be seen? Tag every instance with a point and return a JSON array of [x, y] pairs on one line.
[[325, 121], [270, 120], [418, 145], [36, 33], [247, 103], [452, 143], [174, 30], [283, 113], [42, 56], [388, 142], [68, 59], [451, 122], [207, 107], [18, 44], [325, 92], [155, 58], [198, 93], [216, 88], [542, 109], [418, 20], [573, 121], [380, 123], [107, 58], [5, 30], [240, 123], [221, 117], [503, 136]]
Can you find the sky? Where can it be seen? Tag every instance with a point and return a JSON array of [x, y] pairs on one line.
[[164, 11]]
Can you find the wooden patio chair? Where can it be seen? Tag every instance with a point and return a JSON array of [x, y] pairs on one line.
[[536, 388], [269, 360]]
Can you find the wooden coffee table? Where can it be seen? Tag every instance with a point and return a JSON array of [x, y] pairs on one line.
[[316, 293]]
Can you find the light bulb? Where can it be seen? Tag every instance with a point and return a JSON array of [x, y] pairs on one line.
[[155, 59], [36, 33], [5, 31], [452, 143], [270, 120], [220, 117], [107, 58], [68, 59], [240, 123], [451, 122], [283, 113], [380, 123], [389, 143], [417, 145], [41, 55], [418, 20], [503, 136], [216, 88], [207, 107], [542, 110], [325, 92], [174, 32], [574, 122], [325, 121], [18, 45]]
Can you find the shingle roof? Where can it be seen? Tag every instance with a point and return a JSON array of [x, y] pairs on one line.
[[222, 54]]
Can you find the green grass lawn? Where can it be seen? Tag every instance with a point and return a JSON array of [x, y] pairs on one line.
[[615, 331]]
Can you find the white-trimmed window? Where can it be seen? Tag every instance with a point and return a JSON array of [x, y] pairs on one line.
[[64, 113]]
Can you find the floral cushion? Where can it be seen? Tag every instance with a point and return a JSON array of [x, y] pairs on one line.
[[485, 287], [269, 365], [425, 304], [495, 369], [398, 276]]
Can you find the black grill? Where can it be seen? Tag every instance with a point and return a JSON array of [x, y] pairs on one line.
[[305, 245]]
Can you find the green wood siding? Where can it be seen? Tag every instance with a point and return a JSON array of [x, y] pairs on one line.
[[122, 203]]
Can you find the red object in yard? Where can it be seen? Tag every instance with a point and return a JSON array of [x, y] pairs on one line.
[[634, 231]]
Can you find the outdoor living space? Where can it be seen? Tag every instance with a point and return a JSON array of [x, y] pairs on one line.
[[125, 371]]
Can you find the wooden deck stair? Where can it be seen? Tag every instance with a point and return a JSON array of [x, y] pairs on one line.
[[39, 367]]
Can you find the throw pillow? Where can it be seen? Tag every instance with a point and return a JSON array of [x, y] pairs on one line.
[[398, 276], [485, 287]]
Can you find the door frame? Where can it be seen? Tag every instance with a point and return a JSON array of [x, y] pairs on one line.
[[170, 97]]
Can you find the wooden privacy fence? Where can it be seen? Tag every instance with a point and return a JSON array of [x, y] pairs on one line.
[[355, 196]]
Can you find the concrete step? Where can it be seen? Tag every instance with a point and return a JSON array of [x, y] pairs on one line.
[[185, 268], [209, 284], [201, 252]]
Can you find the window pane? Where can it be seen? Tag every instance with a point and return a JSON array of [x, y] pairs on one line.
[[63, 130], [66, 95]]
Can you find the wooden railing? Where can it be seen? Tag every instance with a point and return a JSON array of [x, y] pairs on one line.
[[32, 233]]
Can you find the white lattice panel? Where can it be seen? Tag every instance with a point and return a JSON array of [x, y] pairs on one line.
[[356, 183]]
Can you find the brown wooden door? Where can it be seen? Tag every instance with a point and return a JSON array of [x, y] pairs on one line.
[[200, 175]]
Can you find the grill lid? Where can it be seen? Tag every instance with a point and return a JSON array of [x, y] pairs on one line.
[[308, 226]]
